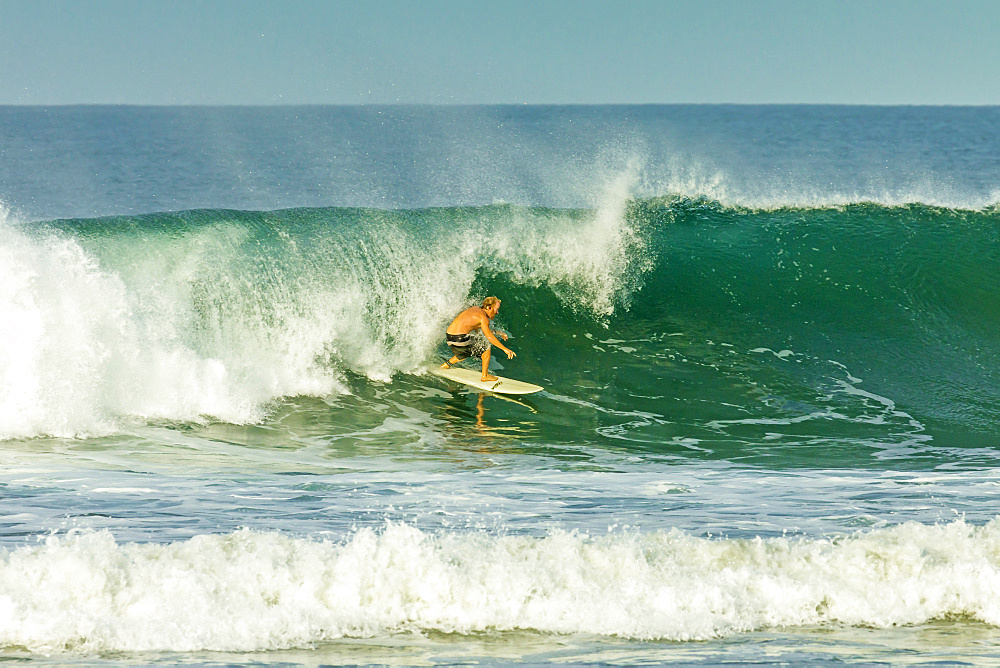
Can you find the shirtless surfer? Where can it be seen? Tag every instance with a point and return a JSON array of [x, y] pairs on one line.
[[464, 342]]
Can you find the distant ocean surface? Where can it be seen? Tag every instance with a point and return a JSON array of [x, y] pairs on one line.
[[769, 339]]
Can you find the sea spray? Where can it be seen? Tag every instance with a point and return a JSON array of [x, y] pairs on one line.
[[593, 259], [249, 591]]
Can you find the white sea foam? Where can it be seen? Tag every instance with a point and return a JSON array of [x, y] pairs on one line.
[[83, 348], [83, 592]]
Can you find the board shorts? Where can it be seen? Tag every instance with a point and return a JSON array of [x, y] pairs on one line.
[[472, 344]]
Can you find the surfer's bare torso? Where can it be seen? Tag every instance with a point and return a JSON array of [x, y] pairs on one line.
[[460, 335]]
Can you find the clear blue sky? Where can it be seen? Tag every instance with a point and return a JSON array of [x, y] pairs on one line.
[[357, 52]]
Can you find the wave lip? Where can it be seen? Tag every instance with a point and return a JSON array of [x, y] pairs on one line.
[[249, 591]]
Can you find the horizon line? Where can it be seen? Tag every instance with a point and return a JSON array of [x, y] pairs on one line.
[[222, 105]]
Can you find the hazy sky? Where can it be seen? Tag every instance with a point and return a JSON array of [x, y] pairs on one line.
[[537, 51]]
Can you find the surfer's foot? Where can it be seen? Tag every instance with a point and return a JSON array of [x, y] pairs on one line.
[[488, 378]]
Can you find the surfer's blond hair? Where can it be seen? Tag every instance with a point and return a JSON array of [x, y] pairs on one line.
[[489, 301]]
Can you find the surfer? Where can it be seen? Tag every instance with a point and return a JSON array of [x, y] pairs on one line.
[[465, 341]]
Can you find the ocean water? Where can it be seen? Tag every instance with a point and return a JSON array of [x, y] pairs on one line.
[[769, 338]]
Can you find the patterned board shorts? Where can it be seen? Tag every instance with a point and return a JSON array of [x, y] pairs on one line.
[[467, 345]]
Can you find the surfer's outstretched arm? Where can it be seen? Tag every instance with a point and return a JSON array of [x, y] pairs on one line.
[[491, 337]]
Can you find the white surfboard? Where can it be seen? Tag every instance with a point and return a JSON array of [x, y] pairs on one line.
[[472, 378]]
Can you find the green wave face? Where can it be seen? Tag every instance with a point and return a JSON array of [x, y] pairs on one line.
[[707, 322]]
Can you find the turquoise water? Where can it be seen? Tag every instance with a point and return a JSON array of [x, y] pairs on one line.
[[768, 338]]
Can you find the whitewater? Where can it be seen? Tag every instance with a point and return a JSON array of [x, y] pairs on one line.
[[768, 337]]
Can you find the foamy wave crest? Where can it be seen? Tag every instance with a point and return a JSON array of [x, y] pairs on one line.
[[595, 259], [84, 347], [693, 179], [245, 591]]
